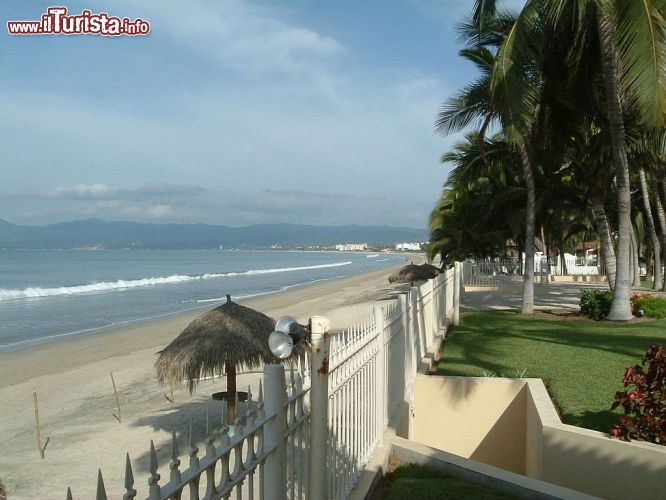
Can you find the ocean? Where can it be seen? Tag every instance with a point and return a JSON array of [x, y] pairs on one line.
[[50, 295]]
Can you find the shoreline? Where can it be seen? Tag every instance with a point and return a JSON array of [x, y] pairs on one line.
[[77, 404], [155, 333]]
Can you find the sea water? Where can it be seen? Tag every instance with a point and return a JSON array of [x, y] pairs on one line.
[[49, 295]]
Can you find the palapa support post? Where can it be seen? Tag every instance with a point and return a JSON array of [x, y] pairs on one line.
[[115, 393], [230, 372], [320, 345]]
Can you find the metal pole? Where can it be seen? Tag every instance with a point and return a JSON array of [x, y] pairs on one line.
[[317, 477], [275, 399]]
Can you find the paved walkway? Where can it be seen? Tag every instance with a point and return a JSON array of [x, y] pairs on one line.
[[551, 296]]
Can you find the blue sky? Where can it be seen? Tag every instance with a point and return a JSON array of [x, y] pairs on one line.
[[231, 112]]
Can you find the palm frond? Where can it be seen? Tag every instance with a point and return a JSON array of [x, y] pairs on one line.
[[514, 94], [465, 108], [641, 46]]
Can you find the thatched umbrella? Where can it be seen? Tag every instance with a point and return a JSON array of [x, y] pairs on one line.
[[226, 337], [411, 272]]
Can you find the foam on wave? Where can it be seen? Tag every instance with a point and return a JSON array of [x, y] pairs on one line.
[[36, 292]]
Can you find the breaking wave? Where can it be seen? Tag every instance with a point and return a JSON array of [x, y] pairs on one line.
[[36, 292]]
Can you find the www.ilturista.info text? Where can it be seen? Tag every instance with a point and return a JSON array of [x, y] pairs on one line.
[[56, 22]]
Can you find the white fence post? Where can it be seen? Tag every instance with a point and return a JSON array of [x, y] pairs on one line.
[[416, 323], [317, 476], [434, 292], [411, 359], [381, 374], [275, 469], [456, 293]]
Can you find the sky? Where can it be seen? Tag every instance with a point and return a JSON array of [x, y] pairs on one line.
[[231, 112]]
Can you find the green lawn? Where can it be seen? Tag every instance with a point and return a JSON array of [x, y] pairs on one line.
[[411, 481], [581, 361]]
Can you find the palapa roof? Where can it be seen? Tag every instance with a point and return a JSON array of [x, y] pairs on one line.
[[412, 272], [229, 333]]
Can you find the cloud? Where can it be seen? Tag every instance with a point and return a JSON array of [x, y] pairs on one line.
[[156, 201], [240, 35], [83, 192], [166, 204], [238, 97], [101, 191]]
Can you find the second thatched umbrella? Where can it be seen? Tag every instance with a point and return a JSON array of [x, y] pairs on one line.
[[412, 272], [225, 338]]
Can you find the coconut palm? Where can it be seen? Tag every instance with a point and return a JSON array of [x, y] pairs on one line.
[[482, 201], [659, 151], [631, 52], [477, 102]]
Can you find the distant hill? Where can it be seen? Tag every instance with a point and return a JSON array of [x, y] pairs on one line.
[[96, 233]]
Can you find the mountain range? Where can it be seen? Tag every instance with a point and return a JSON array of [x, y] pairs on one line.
[[94, 233]]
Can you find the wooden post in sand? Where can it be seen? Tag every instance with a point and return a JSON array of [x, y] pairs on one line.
[[115, 393], [39, 433], [169, 399]]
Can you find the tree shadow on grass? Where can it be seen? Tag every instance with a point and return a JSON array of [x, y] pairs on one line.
[[601, 421]]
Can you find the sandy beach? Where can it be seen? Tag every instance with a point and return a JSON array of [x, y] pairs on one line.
[[77, 404]]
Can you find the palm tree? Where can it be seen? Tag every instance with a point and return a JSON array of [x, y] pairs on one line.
[[659, 150], [476, 102], [483, 193], [652, 231], [631, 53]]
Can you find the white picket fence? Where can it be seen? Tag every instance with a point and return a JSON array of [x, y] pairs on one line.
[[310, 435]]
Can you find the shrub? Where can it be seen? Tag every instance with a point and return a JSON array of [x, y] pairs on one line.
[[651, 306], [644, 403], [595, 304]]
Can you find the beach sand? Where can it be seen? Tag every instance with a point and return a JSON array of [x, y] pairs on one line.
[[77, 404]]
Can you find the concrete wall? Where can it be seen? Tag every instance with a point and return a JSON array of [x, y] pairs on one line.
[[512, 424], [479, 418], [590, 461]]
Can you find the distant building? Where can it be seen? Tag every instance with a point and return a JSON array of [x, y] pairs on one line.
[[405, 247], [352, 247]]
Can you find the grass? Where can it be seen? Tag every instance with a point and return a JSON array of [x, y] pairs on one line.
[[581, 361], [411, 481]]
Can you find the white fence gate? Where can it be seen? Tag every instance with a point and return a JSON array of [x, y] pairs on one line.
[[310, 435]]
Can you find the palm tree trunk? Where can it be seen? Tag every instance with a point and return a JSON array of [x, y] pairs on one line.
[[544, 249], [661, 217], [563, 263], [635, 274], [620, 307], [656, 247], [603, 228], [530, 216]]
